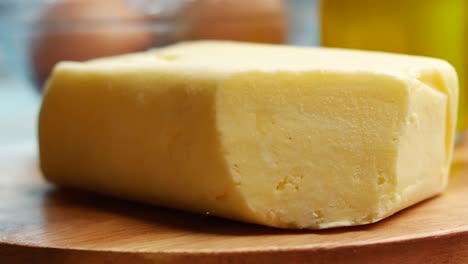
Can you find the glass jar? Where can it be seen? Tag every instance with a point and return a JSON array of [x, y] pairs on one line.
[[435, 28]]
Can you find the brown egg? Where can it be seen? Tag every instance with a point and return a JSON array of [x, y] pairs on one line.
[[84, 29], [246, 20]]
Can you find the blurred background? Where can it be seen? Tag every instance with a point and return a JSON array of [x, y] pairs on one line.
[[36, 34]]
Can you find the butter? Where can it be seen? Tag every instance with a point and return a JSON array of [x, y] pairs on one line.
[[280, 136]]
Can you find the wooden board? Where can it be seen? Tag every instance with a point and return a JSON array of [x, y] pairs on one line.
[[43, 224]]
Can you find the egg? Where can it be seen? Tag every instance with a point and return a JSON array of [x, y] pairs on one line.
[[79, 30], [246, 20]]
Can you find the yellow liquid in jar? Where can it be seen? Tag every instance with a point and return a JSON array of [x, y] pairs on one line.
[[435, 28]]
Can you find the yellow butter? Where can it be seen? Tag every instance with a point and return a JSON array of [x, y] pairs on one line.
[[280, 136]]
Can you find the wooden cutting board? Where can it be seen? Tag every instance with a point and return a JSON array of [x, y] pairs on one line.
[[43, 224]]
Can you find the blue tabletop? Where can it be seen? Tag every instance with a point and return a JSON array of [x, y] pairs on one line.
[[19, 106]]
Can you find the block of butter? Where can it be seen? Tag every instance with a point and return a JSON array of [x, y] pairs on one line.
[[280, 136]]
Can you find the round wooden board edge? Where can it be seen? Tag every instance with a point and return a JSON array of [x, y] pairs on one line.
[[451, 247]]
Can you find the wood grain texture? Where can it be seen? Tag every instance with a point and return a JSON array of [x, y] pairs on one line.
[[40, 223]]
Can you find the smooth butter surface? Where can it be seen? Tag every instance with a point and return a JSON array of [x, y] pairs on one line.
[[280, 136]]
